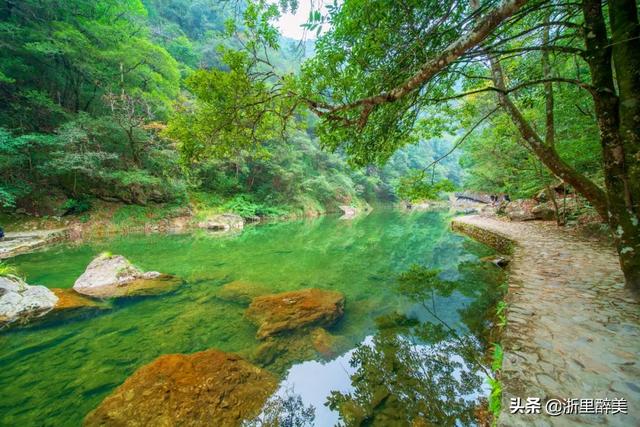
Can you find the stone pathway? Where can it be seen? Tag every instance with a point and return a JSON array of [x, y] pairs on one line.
[[21, 242], [572, 331]]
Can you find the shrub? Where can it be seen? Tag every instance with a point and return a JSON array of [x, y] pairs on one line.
[[76, 206], [247, 208]]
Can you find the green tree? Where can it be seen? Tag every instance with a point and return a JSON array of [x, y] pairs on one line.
[[385, 66]]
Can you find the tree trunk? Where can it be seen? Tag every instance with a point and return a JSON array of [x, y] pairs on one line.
[[547, 154], [619, 122]]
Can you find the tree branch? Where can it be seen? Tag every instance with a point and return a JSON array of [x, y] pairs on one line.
[[461, 140], [481, 31], [582, 85]]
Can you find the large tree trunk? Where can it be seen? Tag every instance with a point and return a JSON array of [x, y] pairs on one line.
[[619, 121]]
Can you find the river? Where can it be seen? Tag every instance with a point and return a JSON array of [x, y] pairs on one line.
[[392, 338]]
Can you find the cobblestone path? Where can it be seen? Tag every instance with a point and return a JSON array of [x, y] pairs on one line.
[[572, 331]]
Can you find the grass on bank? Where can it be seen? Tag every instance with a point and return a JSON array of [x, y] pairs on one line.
[[495, 397], [7, 270]]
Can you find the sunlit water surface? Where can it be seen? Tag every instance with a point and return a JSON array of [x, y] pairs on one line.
[[54, 373]]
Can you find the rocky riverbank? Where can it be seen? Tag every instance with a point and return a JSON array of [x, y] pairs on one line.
[[22, 242], [108, 220]]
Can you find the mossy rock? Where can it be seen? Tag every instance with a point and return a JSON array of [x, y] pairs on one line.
[[242, 292], [201, 389], [292, 311]]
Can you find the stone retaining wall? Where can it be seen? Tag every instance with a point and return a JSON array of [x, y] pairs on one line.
[[499, 242]]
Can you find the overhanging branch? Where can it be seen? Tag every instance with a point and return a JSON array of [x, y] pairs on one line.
[[485, 26]]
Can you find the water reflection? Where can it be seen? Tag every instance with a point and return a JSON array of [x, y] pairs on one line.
[[419, 369], [284, 409]]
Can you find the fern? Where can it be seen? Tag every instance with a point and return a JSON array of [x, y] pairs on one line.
[[496, 365], [495, 398], [501, 313]]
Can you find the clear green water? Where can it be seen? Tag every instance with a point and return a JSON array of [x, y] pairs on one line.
[[54, 373]]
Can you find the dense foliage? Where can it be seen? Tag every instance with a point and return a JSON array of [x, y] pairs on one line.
[[101, 97], [83, 83], [89, 88]]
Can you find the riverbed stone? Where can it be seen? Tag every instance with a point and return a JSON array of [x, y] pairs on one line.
[[290, 311], [324, 343], [20, 302], [201, 389], [280, 351], [242, 291], [114, 276], [68, 299]]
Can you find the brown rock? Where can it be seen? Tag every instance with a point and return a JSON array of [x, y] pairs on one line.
[[281, 351], [289, 311], [201, 389], [323, 342], [520, 210], [543, 212], [68, 299]]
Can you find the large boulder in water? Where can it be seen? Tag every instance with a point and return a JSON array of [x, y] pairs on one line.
[[289, 311], [201, 389], [20, 302], [114, 276]]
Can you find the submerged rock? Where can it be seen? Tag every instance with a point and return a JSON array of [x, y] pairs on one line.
[[68, 299], [289, 311], [222, 222], [242, 292], [324, 343], [114, 276], [279, 352], [200, 389], [20, 302]]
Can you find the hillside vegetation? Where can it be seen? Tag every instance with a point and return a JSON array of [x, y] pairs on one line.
[[115, 101]]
